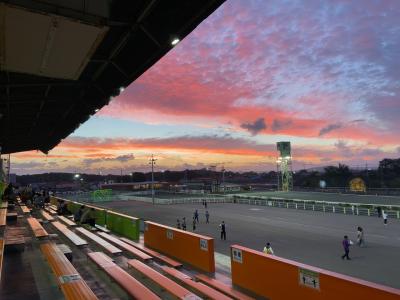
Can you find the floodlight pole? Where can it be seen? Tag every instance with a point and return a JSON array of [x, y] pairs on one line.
[[152, 161]]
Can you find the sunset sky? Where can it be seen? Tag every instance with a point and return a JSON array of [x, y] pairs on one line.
[[324, 75]]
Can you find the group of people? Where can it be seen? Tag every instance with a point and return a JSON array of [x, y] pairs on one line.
[[28, 196], [182, 224], [346, 243]]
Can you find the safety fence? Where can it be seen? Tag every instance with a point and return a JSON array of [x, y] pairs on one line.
[[121, 224], [359, 209]]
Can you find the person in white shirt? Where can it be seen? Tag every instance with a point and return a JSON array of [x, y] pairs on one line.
[[384, 216], [268, 249]]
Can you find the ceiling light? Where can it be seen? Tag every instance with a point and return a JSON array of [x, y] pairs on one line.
[[175, 41], [96, 110], [121, 89]]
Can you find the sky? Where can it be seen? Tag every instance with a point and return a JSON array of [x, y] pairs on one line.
[[324, 75]]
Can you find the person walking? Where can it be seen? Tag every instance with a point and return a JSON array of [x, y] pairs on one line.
[[360, 236], [223, 230], [194, 224], [205, 204], [268, 249], [207, 217], [184, 223], [384, 216], [178, 224], [346, 246], [196, 216]]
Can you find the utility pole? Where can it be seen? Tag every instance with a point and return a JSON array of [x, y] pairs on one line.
[[152, 162]]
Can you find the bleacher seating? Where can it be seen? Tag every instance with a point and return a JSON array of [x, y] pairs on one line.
[[69, 280], [103, 243], [72, 236], [1, 255], [25, 209], [129, 284], [160, 257], [203, 289], [222, 287], [3, 217], [46, 216], [37, 229], [67, 221], [159, 279], [128, 248]]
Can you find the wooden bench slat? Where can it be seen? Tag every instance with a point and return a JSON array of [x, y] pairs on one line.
[[67, 277], [72, 236], [171, 286], [67, 221], [47, 216], [154, 254], [1, 255], [3, 217], [103, 243], [198, 286], [37, 229], [222, 287], [132, 250], [25, 209], [131, 286]]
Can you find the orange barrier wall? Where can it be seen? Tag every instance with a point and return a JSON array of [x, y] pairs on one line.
[[277, 278], [191, 248]]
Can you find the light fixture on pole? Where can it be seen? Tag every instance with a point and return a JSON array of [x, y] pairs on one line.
[[152, 162]]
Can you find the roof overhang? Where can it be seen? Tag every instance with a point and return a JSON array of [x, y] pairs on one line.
[[61, 61]]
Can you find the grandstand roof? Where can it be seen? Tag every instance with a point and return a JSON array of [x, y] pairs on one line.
[[61, 61]]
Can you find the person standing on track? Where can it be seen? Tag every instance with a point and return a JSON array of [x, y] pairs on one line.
[[268, 249], [223, 230], [207, 217], [194, 224], [346, 246], [184, 223], [384, 216], [360, 236], [196, 216]]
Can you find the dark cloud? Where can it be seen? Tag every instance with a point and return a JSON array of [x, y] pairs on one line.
[[256, 127], [121, 159], [278, 125], [329, 128]]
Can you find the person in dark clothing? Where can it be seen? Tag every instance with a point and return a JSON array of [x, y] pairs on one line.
[[379, 209], [207, 217], [196, 216], [346, 246], [223, 230], [178, 224], [184, 223], [78, 214], [205, 204], [194, 224], [89, 217]]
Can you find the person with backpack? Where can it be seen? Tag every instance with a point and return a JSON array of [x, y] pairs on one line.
[[268, 249]]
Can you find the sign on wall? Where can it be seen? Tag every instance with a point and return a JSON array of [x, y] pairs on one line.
[[170, 234], [203, 244], [237, 255], [309, 278]]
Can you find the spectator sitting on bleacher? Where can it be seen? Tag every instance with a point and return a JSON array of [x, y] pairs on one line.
[[89, 217], [38, 200], [78, 214], [62, 208]]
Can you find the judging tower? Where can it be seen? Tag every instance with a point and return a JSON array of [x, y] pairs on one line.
[[284, 166]]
